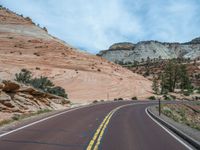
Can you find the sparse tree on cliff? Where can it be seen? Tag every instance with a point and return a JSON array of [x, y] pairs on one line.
[[155, 85]]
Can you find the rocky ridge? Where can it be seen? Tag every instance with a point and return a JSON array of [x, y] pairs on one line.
[[129, 52]]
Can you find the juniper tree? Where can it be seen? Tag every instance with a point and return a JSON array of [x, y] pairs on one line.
[[155, 85]]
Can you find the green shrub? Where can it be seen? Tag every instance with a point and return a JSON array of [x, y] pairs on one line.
[[173, 97], [187, 92], [3, 122], [57, 91], [16, 117], [167, 98], [43, 111], [115, 99], [95, 101], [134, 98], [152, 98], [42, 83], [120, 99], [24, 76]]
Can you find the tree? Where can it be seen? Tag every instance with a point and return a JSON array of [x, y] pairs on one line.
[[155, 85], [148, 61], [147, 71], [164, 86], [174, 75], [142, 60], [184, 79], [170, 76], [135, 63]]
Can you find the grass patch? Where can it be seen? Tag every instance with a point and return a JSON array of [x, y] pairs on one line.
[[181, 115], [4, 122], [18, 117]]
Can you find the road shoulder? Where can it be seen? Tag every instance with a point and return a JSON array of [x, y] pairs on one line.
[[189, 134]]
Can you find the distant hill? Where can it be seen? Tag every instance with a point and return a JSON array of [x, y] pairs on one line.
[[129, 52], [85, 77]]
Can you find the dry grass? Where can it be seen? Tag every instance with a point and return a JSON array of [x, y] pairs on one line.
[[184, 114], [18, 117]]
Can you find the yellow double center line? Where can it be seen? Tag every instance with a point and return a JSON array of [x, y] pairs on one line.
[[96, 140], [98, 132]]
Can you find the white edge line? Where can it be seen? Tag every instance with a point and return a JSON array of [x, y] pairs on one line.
[[36, 122], [169, 132], [53, 116], [44, 119]]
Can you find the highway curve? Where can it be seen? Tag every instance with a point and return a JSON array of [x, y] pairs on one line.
[[103, 126]]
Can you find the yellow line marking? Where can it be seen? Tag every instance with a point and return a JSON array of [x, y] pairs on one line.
[[89, 147], [100, 131]]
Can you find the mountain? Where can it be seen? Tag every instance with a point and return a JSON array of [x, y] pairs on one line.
[[129, 52], [85, 77]]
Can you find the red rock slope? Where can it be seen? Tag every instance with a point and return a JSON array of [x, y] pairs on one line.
[[85, 77]]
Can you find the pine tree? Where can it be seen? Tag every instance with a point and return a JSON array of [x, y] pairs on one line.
[[184, 79], [174, 75], [155, 85]]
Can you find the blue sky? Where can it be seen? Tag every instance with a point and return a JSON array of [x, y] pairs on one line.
[[94, 25]]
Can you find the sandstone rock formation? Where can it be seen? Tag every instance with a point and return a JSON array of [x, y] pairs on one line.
[[16, 98], [129, 52], [85, 77], [26, 99]]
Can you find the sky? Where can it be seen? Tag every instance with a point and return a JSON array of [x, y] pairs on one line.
[[94, 25]]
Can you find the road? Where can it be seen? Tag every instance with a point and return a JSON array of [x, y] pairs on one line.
[[109, 126]]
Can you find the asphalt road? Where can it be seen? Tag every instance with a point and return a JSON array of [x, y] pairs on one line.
[[125, 128]]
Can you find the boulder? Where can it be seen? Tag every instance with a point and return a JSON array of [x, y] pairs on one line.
[[10, 86]]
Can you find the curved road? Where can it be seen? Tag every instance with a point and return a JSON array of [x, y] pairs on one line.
[[103, 126]]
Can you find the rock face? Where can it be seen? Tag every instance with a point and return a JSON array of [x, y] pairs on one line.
[[21, 99], [10, 86], [128, 52], [85, 77]]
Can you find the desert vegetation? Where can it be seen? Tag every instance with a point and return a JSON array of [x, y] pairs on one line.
[[174, 76], [187, 114], [42, 83], [152, 98], [134, 98], [18, 117]]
